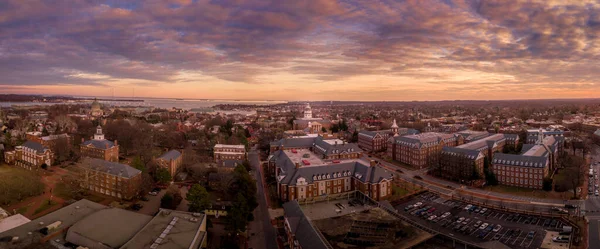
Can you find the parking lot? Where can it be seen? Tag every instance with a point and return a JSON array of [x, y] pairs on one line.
[[475, 224], [333, 208]]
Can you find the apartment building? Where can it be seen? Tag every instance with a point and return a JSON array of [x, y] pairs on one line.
[[302, 174], [100, 148], [229, 152], [31, 156], [171, 161], [49, 141], [373, 141], [110, 178], [529, 168], [421, 150], [460, 162]]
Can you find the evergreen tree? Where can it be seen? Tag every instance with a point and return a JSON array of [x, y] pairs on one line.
[[198, 198]]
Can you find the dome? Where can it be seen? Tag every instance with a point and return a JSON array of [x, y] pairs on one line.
[[95, 105]]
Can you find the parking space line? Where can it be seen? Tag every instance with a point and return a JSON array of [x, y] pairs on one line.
[[514, 241], [528, 245], [519, 221], [476, 229], [524, 240], [502, 215], [503, 234], [489, 234]]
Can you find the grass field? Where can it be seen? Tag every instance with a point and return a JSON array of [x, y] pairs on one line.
[[44, 206], [16, 184]]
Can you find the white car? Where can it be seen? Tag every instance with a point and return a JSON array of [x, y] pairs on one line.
[[468, 207], [497, 228], [418, 204], [596, 193], [460, 219], [446, 214], [153, 193], [484, 226], [432, 217]]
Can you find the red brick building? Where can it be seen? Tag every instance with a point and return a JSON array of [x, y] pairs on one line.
[[31, 156], [229, 152], [100, 148], [171, 161], [110, 178], [421, 150]]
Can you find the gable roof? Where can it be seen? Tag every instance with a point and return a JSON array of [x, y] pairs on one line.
[[304, 231], [331, 149], [173, 154], [110, 167], [520, 160], [356, 169], [469, 153]]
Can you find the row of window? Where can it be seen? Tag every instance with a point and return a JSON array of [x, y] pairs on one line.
[[520, 181]]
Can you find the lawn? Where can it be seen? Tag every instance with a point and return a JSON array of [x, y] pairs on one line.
[[16, 184], [529, 192], [23, 210], [398, 191], [44, 206], [66, 192]]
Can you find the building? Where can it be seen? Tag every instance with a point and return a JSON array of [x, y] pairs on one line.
[[529, 168], [86, 224], [373, 141], [100, 148], [302, 174], [532, 134], [421, 150], [596, 136], [308, 121], [171, 161], [466, 161], [96, 110], [299, 230], [110, 178], [470, 135], [229, 152], [49, 141], [512, 139], [31, 156]]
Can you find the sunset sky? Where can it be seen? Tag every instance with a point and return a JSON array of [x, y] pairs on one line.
[[302, 50]]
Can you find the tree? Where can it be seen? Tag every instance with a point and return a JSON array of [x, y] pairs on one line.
[[490, 177], [138, 164], [323, 129], [44, 166], [475, 174], [547, 184], [162, 175], [354, 138], [198, 199], [237, 217], [167, 201]]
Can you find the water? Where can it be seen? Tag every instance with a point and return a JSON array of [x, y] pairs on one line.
[[157, 103]]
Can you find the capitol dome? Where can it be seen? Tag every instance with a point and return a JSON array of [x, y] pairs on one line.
[[95, 105]]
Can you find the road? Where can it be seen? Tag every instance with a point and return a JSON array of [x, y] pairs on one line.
[[262, 232], [592, 205]]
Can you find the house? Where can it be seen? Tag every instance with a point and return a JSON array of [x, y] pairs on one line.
[[229, 152], [171, 161]]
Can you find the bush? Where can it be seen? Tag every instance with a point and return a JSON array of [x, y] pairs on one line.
[[547, 184]]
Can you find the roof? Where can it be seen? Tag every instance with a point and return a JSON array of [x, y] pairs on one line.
[[357, 169], [110, 167], [35, 146], [305, 142], [68, 216], [520, 160], [171, 155], [230, 163], [100, 144], [233, 146], [12, 222], [486, 142], [509, 136], [597, 132], [170, 229], [112, 227], [373, 133], [424, 139], [471, 154], [328, 148], [306, 234]]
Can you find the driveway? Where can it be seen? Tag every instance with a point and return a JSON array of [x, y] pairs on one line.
[[153, 204]]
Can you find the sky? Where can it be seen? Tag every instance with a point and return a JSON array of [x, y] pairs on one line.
[[302, 50]]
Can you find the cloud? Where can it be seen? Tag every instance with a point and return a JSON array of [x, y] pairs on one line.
[[440, 42]]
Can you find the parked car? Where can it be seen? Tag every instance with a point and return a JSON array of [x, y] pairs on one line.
[[478, 223], [483, 211], [497, 228], [466, 221], [530, 234], [460, 219], [497, 236], [153, 193], [484, 226], [468, 207]]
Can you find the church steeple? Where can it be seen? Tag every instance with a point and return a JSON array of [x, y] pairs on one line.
[[540, 139], [99, 135], [395, 128]]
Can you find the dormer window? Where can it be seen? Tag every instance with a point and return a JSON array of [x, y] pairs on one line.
[[328, 176]]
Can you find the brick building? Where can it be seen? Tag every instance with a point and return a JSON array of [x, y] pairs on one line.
[[302, 174], [31, 156], [100, 148], [460, 162], [229, 152], [110, 178], [171, 160], [373, 141], [529, 168], [421, 150], [48, 141], [299, 230]]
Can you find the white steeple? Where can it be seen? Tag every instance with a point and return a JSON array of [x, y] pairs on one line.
[[307, 111], [540, 139], [395, 128], [99, 135]]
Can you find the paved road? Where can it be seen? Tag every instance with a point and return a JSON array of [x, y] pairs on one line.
[[593, 204], [153, 204], [264, 233]]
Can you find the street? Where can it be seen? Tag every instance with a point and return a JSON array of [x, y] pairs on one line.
[[592, 205], [262, 232]]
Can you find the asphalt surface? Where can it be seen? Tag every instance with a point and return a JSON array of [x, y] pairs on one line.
[[263, 234], [592, 206]]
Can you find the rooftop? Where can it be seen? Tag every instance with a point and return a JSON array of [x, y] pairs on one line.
[[173, 154], [12, 222], [232, 146], [482, 143], [303, 154], [110, 167], [170, 229], [112, 227]]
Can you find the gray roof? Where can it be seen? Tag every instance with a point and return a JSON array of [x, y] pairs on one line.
[[597, 132], [306, 234], [100, 144], [35, 146], [511, 137], [110, 167], [305, 142], [332, 149], [520, 160], [471, 154], [173, 154], [112, 227], [423, 139], [373, 133], [356, 169], [230, 163]]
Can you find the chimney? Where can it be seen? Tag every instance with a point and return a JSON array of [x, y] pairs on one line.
[[373, 163], [297, 165], [82, 140], [116, 143], [335, 142], [106, 146]]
